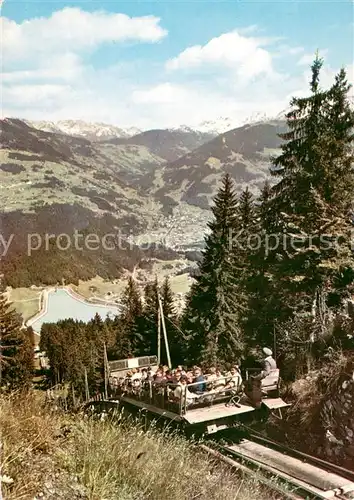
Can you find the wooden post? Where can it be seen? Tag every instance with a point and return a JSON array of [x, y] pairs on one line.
[[87, 393], [164, 333], [158, 336], [105, 371]]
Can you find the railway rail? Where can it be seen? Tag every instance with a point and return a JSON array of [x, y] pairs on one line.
[[293, 474]]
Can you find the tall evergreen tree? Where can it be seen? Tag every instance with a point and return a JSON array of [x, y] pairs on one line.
[[175, 338], [263, 308], [150, 318], [122, 346], [211, 318], [132, 317], [16, 348], [312, 203]]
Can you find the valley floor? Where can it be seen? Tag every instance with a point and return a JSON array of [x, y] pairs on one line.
[[27, 301]]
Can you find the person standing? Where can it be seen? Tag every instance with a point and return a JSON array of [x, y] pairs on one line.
[[269, 363]]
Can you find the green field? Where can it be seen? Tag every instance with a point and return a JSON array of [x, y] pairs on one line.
[[25, 301]]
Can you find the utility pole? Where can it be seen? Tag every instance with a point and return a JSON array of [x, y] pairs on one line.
[[105, 358], [164, 332], [87, 394], [158, 336]]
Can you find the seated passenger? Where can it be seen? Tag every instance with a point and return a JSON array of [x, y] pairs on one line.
[[136, 375], [211, 377], [220, 381], [169, 375], [177, 377], [190, 377], [199, 378], [150, 374], [182, 389], [211, 374], [181, 370], [234, 381], [159, 377]]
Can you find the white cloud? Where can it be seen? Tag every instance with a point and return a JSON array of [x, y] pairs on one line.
[[28, 95], [244, 54], [49, 76], [44, 59], [74, 28], [164, 93], [67, 66]]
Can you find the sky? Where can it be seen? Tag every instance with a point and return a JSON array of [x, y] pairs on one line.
[[167, 63]]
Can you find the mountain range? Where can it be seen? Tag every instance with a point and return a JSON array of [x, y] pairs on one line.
[[87, 130], [155, 185], [103, 131]]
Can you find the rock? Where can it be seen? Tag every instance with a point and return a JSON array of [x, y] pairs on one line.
[[345, 384]]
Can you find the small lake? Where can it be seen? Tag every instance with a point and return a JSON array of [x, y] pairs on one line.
[[62, 305]]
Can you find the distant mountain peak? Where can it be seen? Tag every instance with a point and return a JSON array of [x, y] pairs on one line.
[[223, 124], [81, 128]]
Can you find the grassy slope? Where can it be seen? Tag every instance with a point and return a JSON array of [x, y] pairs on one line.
[[104, 461], [25, 301]]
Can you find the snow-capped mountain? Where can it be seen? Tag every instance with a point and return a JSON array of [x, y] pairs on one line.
[[224, 124], [80, 128], [218, 126], [104, 132]]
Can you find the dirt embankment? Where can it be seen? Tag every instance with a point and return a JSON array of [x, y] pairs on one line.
[[321, 419]]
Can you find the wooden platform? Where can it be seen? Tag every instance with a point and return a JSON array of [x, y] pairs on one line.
[[151, 408], [215, 412], [274, 403], [322, 481]]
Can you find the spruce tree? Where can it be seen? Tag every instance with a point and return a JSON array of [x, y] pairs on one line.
[[150, 318], [263, 305], [244, 250], [175, 339], [211, 319], [132, 318], [16, 349], [311, 207]]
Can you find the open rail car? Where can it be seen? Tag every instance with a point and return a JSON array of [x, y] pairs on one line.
[[205, 413]]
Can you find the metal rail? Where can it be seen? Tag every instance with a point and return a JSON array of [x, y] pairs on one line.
[[319, 462], [249, 471], [292, 484]]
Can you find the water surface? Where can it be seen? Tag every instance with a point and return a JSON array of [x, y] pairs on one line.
[[62, 305]]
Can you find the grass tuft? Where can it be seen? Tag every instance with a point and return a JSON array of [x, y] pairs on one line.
[[55, 456]]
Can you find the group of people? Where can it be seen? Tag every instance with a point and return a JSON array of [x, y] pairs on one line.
[[192, 383], [181, 382]]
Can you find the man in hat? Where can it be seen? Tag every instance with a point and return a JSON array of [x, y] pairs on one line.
[[268, 363]]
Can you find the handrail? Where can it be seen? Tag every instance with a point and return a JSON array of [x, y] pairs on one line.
[[146, 391]]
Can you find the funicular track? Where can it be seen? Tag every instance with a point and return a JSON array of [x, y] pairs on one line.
[[293, 474]]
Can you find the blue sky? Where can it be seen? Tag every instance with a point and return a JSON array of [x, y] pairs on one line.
[[157, 64]]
